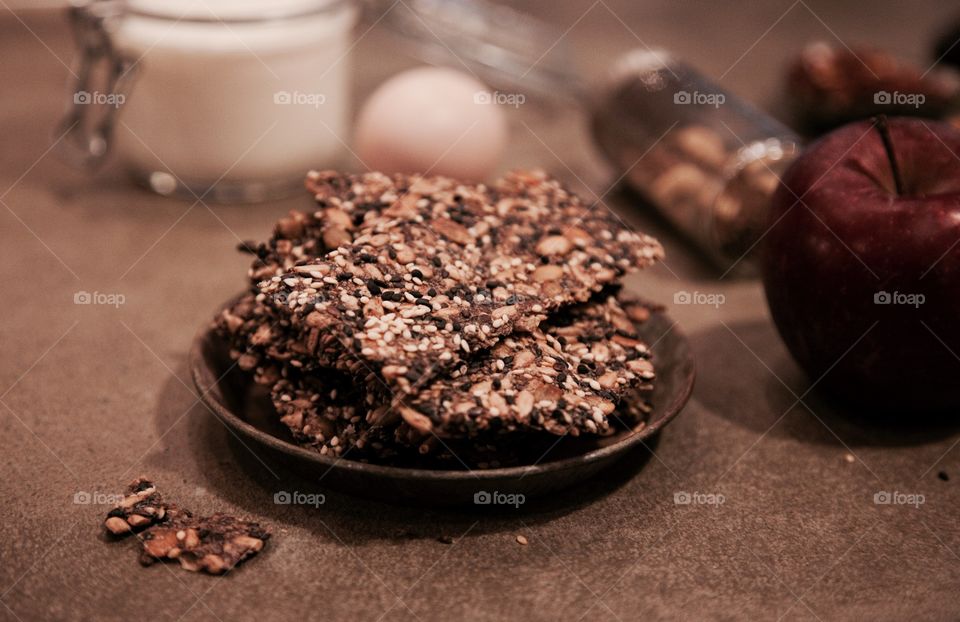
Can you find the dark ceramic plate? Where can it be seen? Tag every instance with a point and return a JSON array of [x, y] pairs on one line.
[[246, 409]]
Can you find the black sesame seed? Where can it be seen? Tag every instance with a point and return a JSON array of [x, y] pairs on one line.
[[415, 273]]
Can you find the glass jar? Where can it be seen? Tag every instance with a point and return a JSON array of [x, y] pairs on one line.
[[229, 100], [708, 161]]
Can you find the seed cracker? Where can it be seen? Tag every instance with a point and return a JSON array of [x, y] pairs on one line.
[[568, 377], [442, 273]]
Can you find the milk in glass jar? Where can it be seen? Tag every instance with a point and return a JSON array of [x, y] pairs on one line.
[[230, 100]]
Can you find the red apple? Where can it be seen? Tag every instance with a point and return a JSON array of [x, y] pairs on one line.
[[861, 263]]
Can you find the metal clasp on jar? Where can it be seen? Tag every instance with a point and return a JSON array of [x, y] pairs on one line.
[[100, 88]]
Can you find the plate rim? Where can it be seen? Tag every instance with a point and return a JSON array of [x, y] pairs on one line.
[[202, 383]]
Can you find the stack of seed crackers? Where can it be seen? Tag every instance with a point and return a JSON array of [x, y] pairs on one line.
[[413, 316]]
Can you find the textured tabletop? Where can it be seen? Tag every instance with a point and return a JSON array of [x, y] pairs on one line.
[[93, 395]]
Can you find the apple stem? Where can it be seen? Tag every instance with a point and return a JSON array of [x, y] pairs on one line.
[[880, 122]]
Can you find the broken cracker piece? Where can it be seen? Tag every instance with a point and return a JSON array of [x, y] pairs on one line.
[[212, 544], [141, 507]]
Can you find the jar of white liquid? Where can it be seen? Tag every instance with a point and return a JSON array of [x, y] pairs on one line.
[[229, 100]]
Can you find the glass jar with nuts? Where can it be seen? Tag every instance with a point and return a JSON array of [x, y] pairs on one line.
[[708, 161]]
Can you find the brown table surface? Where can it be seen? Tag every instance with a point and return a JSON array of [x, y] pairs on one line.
[[92, 396]]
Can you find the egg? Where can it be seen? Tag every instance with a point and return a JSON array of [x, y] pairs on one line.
[[431, 120]]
